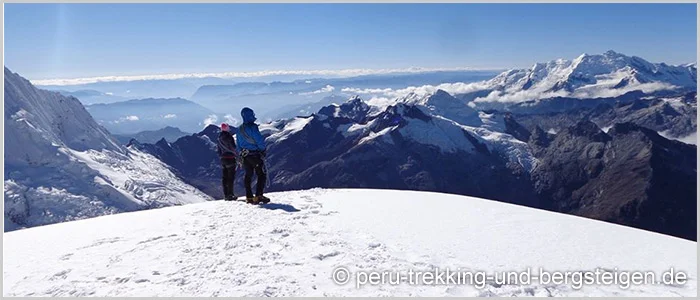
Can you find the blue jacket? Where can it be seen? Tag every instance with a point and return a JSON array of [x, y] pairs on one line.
[[248, 136]]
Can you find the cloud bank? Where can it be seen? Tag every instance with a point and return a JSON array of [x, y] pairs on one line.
[[452, 88], [585, 92], [338, 73]]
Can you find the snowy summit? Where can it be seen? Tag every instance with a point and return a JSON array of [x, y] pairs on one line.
[[294, 246]]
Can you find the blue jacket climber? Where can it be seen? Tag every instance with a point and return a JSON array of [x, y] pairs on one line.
[[249, 136], [251, 146]]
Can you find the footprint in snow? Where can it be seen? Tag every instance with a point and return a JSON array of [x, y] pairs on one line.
[[102, 242], [281, 232], [374, 245], [324, 256], [60, 275]]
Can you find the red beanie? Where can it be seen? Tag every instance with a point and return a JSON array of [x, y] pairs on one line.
[[224, 126]]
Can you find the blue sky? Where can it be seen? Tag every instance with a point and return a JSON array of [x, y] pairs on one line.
[[45, 41]]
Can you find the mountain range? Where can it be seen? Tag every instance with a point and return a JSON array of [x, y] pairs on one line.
[[436, 143], [133, 116], [152, 136], [88, 97], [610, 74], [594, 137]]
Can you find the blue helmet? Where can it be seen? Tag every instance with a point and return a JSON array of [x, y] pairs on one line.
[[248, 115]]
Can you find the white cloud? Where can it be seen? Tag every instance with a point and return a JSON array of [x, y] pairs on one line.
[[366, 91], [109, 93], [600, 90], [326, 89], [379, 101], [170, 116], [605, 91], [586, 92], [519, 96], [378, 104], [124, 119], [339, 73], [230, 120], [209, 120], [452, 88]]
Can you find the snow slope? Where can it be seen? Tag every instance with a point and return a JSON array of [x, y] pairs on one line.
[[61, 165], [292, 246]]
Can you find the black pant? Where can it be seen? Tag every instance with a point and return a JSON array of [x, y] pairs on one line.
[[228, 166], [253, 162]]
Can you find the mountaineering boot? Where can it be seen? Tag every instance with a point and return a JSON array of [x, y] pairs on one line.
[[251, 200], [231, 198], [262, 199]]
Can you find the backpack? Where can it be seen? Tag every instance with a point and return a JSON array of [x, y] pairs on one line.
[[223, 148]]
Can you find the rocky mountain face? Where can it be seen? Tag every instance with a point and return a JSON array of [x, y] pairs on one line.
[[630, 175], [342, 146], [673, 116]]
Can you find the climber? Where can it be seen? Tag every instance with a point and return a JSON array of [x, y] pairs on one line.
[[226, 147], [251, 146]]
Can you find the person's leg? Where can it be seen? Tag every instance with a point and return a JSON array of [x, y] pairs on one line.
[[248, 166], [224, 179], [232, 177], [262, 177]]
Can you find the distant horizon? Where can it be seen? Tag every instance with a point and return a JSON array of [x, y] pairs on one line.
[[341, 73], [69, 41]]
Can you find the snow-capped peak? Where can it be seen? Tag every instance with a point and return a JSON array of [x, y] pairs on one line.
[[608, 74], [355, 109], [48, 118], [61, 165], [443, 104]]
